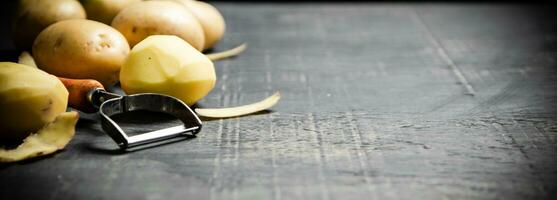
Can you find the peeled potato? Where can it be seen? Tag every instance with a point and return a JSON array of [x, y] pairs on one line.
[[168, 65], [140, 20], [49, 139], [81, 49], [29, 99]]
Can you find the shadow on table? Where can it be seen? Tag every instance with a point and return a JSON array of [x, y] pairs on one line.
[[110, 148], [9, 55], [29, 160]]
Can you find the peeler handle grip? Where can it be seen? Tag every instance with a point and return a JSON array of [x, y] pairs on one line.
[[79, 90]]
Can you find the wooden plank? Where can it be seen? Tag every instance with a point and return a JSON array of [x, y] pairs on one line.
[[375, 104]]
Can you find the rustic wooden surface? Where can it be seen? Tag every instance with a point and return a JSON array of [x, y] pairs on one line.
[[380, 101]]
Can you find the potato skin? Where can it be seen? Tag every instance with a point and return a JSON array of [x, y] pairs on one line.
[[81, 49], [210, 19], [138, 21], [32, 16], [105, 10]]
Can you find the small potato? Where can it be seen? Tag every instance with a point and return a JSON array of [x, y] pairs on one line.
[[81, 49], [138, 21], [210, 19], [32, 16], [105, 10]]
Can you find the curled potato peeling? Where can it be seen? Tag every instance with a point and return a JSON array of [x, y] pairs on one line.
[[25, 58], [228, 53], [240, 110], [49, 139]]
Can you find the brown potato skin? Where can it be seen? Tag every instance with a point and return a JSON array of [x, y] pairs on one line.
[[82, 49], [32, 16], [105, 10], [140, 20]]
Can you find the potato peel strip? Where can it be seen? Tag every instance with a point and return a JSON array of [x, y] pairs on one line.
[[240, 110], [228, 53], [51, 138], [25, 58]]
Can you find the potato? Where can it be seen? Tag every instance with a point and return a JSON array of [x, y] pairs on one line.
[[210, 19], [168, 65], [82, 49], [143, 19], [29, 99], [32, 16], [49, 139], [105, 10]]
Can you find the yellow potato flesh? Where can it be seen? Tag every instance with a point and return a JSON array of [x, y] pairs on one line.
[[168, 65], [29, 98], [49, 139]]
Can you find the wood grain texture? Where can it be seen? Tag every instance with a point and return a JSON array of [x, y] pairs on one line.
[[375, 104]]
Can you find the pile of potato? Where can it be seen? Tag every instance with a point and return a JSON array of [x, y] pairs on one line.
[[66, 44], [149, 46], [197, 22]]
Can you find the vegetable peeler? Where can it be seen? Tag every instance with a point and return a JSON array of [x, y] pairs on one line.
[[89, 96]]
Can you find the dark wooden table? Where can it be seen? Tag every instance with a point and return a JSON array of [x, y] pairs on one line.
[[380, 101]]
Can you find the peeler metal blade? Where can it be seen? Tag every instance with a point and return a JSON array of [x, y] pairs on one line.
[[147, 102]]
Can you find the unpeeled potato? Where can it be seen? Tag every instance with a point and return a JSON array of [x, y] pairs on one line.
[[168, 65], [82, 49], [32, 16], [209, 17], [105, 10], [140, 20]]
